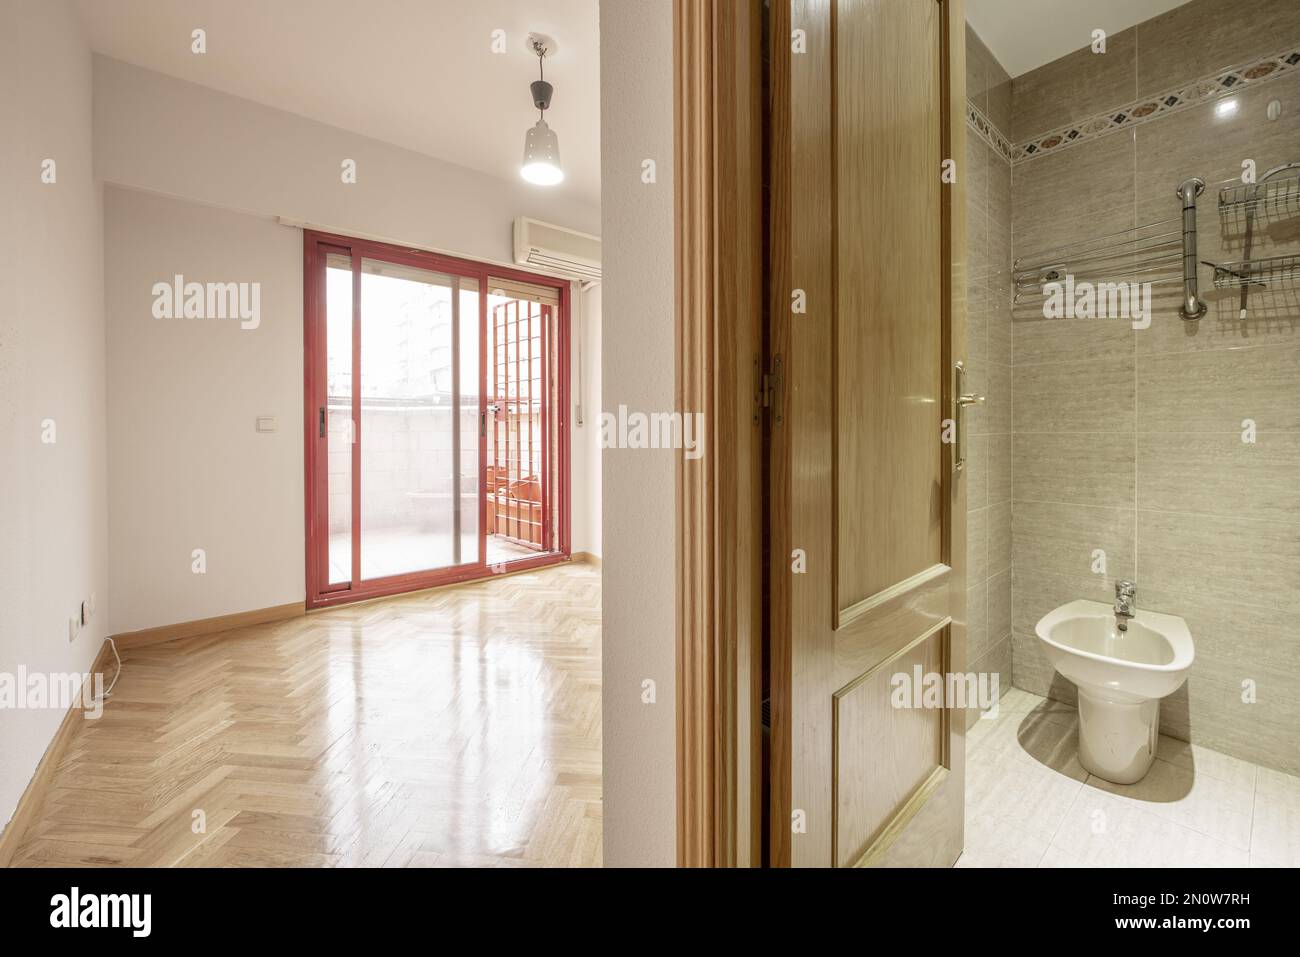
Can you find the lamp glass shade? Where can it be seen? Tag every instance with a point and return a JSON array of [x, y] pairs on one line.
[[542, 156]]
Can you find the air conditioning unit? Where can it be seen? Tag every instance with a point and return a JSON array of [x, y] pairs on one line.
[[556, 250]]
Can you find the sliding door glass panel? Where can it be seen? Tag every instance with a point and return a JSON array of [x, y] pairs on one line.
[[410, 467], [338, 405], [471, 420]]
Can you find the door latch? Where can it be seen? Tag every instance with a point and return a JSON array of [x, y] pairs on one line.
[[961, 399]]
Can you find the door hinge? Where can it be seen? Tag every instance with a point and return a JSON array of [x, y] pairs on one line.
[[770, 390]]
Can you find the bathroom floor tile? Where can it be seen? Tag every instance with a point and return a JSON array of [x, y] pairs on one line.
[[1033, 738], [1275, 833], [1102, 830], [1030, 803], [1196, 800], [1021, 802], [1183, 754], [993, 841]]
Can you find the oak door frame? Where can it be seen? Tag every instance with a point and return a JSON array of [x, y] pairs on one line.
[[718, 169]]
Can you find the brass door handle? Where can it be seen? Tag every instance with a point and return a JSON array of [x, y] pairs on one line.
[[961, 400]]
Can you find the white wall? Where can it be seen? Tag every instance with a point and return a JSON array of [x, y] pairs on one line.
[[158, 133], [188, 470], [53, 533], [237, 164], [585, 451], [638, 358]]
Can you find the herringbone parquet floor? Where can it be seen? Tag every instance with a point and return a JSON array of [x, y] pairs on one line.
[[454, 727]]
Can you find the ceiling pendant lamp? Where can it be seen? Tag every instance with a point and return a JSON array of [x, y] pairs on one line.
[[541, 146]]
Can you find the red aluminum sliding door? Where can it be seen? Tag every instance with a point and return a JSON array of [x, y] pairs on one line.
[[430, 450]]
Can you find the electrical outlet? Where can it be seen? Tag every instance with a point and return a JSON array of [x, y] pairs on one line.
[[92, 604], [73, 628]]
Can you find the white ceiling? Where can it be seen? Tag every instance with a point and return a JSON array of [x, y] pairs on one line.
[[416, 73], [1025, 34]]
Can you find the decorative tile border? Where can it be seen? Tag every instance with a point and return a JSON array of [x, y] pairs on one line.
[[989, 133], [1150, 108]]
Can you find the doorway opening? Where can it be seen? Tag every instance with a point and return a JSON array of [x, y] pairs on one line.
[[436, 436]]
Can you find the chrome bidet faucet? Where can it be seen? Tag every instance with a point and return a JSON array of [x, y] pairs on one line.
[[1125, 606]]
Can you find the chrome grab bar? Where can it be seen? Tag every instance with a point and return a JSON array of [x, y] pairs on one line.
[[1193, 306]]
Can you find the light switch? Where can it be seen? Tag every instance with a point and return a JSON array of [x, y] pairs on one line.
[[266, 423]]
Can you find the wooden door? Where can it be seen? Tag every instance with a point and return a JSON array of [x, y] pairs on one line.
[[867, 503]]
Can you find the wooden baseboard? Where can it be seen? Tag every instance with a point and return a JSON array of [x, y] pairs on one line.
[[209, 626], [12, 834], [586, 558]]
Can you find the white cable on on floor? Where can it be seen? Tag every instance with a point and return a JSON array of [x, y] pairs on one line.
[[104, 697]]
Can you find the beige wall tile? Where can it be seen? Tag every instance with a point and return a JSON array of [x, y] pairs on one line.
[[1038, 339], [977, 547], [1191, 473], [999, 106], [999, 537], [1037, 592], [976, 173], [977, 472], [1215, 391], [1204, 35], [1273, 320], [1234, 641], [996, 661], [1060, 540], [998, 398], [1081, 193], [1000, 330], [1075, 87], [1221, 558], [999, 193], [1212, 714], [1081, 469], [1032, 671], [1001, 453], [1075, 396], [977, 621], [999, 606]]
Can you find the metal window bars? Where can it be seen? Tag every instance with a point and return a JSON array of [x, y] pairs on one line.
[[1156, 253]]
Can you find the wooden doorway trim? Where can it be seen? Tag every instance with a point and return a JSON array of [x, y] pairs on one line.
[[718, 267]]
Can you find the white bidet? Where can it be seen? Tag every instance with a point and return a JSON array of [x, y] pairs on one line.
[[1121, 673]]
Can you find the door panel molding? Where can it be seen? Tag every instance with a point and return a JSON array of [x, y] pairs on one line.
[[877, 775]]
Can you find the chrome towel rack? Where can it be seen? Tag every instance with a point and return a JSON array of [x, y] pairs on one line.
[[1274, 197], [1155, 248], [1156, 253], [1273, 272]]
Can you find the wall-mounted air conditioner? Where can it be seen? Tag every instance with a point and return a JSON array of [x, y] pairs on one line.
[[556, 250]]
